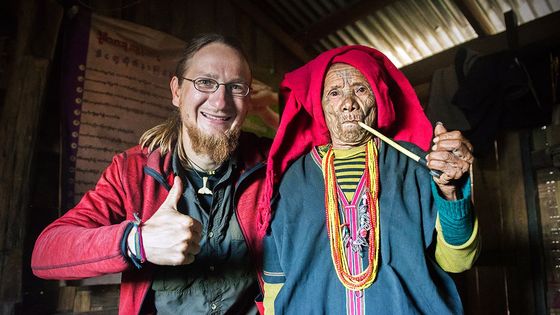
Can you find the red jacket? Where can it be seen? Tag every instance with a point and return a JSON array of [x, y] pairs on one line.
[[85, 242]]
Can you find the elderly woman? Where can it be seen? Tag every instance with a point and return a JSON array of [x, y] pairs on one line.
[[357, 227]]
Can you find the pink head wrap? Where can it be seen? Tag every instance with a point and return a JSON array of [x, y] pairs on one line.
[[303, 125]]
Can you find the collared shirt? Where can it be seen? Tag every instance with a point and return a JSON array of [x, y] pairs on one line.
[[222, 277]]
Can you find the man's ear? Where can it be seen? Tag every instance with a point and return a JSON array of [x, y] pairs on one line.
[[175, 91]]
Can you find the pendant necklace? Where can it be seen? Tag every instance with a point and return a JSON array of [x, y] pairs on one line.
[[204, 190]]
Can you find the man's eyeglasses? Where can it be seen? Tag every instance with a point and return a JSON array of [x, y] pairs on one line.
[[210, 86]]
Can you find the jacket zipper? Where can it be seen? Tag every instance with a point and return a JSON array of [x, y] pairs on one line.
[[157, 176]]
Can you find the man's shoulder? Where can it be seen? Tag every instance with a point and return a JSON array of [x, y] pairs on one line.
[[142, 155], [136, 152]]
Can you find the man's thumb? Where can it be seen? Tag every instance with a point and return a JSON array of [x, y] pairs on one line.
[[174, 193]]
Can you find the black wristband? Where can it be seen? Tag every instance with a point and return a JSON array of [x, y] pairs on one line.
[[124, 246]]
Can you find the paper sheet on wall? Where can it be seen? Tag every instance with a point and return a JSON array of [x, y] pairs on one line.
[[115, 88]]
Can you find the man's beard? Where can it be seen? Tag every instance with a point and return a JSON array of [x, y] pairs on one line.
[[218, 147]]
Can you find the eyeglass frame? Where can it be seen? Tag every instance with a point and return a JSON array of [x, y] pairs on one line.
[[218, 86]]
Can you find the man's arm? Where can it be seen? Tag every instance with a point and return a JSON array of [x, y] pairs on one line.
[[88, 240], [85, 242]]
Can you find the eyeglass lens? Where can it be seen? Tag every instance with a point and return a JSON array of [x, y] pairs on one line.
[[211, 85]]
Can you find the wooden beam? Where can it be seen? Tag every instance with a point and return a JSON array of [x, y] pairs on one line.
[[527, 293], [511, 29], [544, 31], [262, 19], [473, 14], [341, 18], [19, 122]]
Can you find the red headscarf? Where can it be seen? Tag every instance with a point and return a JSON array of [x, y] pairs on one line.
[[303, 126]]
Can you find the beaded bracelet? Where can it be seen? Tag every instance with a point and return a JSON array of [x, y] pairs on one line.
[[141, 245], [135, 261]]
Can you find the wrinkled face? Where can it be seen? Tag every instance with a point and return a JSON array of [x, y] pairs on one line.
[[347, 99], [215, 113]]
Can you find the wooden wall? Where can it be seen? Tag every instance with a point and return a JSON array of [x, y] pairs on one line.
[[28, 55], [501, 281], [187, 18]]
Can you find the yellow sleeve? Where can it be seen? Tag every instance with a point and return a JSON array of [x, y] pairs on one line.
[[270, 292], [457, 258]]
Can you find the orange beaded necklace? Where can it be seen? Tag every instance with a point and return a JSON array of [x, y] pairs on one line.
[[334, 227]]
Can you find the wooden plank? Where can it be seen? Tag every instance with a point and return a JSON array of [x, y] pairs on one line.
[[261, 19], [21, 114], [502, 281], [82, 301], [483, 287], [180, 26], [467, 284], [246, 34], [511, 30], [225, 20], [516, 235], [109, 8], [535, 240], [66, 297], [200, 16], [105, 298], [488, 207], [100, 299], [474, 14], [341, 18], [423, 93], [19, 122], [492, 296]]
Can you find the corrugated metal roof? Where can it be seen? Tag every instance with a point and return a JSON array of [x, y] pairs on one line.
[[405, 30], [526, 10], [408, 30]]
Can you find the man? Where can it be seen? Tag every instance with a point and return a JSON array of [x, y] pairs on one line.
[[358, 227], [175, 214]]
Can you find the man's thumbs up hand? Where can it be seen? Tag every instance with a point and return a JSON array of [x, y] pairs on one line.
[[170, 237]]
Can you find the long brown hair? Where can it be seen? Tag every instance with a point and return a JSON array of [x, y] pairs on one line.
[[166, 134]]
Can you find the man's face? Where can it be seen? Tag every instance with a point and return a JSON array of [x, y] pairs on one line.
[[212, 116], [347, 99]]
